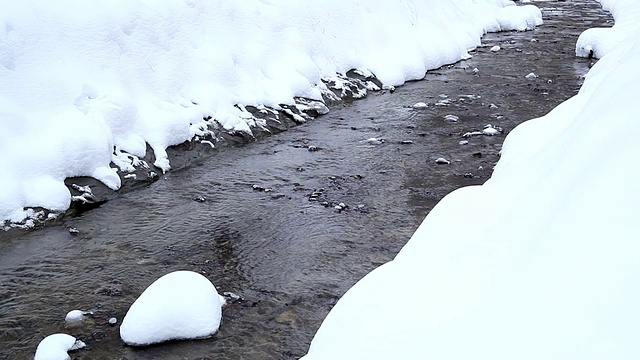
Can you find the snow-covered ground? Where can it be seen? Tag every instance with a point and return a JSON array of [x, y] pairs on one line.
[[87, 85], [540, 262]]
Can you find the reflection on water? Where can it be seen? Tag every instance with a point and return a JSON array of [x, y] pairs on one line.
[[282, 245]]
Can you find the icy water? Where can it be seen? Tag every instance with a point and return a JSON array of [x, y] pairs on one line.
[[281, 244]]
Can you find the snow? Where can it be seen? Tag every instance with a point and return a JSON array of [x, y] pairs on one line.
[[74, 317], [540, 262], [179, 305], [102, 81], [56, 346]]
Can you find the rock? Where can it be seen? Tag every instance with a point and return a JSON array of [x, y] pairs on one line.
[[112, 321], [56, 346], [442, 161], [179, 305], [74, 231], [495, 48], [451, 118], [490, 130], [229, 296], [531, 76], [200, 199], [406, 142], [420, 105], [313, 148], [463, 142]]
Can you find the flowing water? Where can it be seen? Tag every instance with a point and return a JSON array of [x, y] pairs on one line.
[[281, 244]]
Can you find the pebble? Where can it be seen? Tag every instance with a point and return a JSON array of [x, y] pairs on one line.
[[406, 142], [74, 231], [113, 321], [200, 199], [495, 48], [313, 148], [463, 142], [531, 76], [442, 161]]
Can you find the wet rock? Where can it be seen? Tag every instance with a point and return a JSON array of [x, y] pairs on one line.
[[477, 155], [231, 297], [287, 317], [442, 161]]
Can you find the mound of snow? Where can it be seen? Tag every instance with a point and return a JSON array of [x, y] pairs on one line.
[[540, 262], [596, 42], [103, 79], [179, 305], [56, 346]]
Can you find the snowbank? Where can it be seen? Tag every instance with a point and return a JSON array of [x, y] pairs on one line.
[[597, 42], [87, 84], [56, 346], [179, 305], [540, 262]]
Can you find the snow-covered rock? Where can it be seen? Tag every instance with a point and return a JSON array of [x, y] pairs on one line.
[[57, 346], [75, 317], [420, 105], [179, 305]]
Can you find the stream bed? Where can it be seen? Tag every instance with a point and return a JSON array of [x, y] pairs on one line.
[[266, 220]]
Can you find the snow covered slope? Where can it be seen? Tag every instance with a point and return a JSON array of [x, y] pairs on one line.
[[540, 262], [79, 79]]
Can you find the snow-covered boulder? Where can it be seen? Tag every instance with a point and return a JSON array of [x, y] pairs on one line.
[[56, 346], [179, 305]]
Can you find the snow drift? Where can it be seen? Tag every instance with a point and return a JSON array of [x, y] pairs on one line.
[[540, 262], [81, 82]]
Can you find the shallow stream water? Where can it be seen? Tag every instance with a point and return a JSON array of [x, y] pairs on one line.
[[268, 229]]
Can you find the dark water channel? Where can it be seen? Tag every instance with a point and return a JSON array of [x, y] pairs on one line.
[[289, 257]]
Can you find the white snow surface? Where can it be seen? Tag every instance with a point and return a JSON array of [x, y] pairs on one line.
[[179, 305], [56, 346], [540, 262], [80, 78]]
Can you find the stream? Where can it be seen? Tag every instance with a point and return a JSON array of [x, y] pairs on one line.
[[261, 221]]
